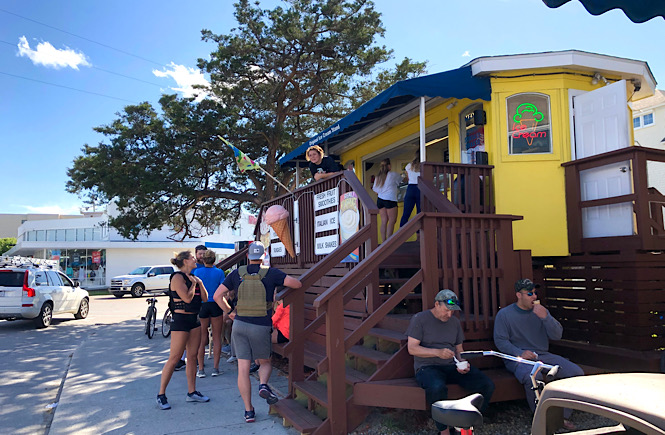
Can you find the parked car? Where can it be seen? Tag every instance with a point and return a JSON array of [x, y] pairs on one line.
[[28, 292], [150, 279]]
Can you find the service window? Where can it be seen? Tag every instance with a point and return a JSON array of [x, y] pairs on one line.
[[529, 127]]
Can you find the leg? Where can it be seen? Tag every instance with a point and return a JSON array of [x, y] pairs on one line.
[[476, 382], [383, 213], [433, 380], [409, 202], [244, 384], [192, 349], [567, 369], [217, 323], [178, 342], [392, 218], [200, 354]]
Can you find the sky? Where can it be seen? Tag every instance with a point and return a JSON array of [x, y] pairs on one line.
[[68, 66]]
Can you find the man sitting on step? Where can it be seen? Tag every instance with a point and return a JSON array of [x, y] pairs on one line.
[[435, 340]]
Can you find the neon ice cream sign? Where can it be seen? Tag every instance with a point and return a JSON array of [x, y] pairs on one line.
[[526, 118]]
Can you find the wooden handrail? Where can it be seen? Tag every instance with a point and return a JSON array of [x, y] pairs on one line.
[[430, 195], [233, 259]]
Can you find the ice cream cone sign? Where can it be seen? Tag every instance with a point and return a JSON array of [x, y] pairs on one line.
[[526, 120], [278, 218]]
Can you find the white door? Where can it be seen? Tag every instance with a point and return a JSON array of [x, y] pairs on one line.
[[601, 120], [601, 125]]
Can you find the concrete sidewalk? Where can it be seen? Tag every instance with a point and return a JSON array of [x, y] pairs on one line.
[[113, 381]]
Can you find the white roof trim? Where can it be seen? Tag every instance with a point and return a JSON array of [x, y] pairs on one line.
[[573, 59]]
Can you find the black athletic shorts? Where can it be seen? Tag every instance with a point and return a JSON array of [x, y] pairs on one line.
[[210, 309], [385, 203], [185, 322]]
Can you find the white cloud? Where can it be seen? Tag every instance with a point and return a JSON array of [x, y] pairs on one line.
[[186, 78], [52, 209], [49, 56], [466, 54]]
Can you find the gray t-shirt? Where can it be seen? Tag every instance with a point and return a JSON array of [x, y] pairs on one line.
[[435, 334]]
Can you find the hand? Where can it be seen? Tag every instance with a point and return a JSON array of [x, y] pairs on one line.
[[527, 354], [466, 370], [232, 315], [446, 354], [540, 311]]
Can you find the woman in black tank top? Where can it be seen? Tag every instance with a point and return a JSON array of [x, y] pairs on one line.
[[186, 293]]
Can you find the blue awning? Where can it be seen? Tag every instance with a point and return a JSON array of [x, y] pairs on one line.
[[220, 245], [638, 11], [458, 83]]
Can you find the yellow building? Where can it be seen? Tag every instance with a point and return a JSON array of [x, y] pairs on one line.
[[525, 115]]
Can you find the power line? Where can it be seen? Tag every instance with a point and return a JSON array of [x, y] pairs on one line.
[[68, 87], [84, 38]]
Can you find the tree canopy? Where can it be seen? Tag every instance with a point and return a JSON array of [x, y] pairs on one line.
[[7, 243], [275, 80]]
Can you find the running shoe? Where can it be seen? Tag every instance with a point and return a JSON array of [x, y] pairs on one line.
[[232, 359], [250, 416], [162, 402], [215, 372], [266, 393], [254, 367], [226, 349], [197, 397], [201, 373], [180, 365]]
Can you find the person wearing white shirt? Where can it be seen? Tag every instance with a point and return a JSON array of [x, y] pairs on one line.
[[412, 196], [385, 185]]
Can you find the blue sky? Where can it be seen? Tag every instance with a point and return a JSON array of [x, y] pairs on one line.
[[78, 46]]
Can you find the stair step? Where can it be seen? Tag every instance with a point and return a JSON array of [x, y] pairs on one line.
[[312, 358], [354, 376], [393, 280], [303, 420], [371, 355], [315, 390], [388, 335]]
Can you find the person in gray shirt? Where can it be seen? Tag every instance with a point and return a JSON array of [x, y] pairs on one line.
[[524, 329], [435, 339]]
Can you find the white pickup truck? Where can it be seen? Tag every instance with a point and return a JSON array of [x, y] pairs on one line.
[[144, 279]]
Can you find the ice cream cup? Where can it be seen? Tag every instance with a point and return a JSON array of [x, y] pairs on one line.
[[462, 365]]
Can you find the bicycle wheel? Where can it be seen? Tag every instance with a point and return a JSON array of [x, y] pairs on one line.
[[150, 322], [166, 323]]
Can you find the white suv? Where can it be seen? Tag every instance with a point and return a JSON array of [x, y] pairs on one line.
[[151, 279], [29, 292]]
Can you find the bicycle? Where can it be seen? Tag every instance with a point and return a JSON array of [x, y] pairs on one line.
[[166, 322], [151, 317], [465, 413]]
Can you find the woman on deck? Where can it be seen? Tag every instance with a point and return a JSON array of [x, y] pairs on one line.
[[385, 185], [412, 196]]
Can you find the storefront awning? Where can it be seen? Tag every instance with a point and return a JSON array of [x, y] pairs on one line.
[[458, 83], [638, 11]]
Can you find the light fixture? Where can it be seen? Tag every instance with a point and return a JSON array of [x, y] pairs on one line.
[[597, 77], [451, 104]]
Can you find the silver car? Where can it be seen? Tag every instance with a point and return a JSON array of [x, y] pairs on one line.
[[37, 294]]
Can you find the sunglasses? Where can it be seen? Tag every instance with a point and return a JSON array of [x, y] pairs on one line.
[[531, 293], [450, 302]]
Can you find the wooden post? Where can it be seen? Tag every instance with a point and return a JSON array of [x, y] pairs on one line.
[[297, 356], [429, 254], [336, 370], [640, 184], [373, 297]]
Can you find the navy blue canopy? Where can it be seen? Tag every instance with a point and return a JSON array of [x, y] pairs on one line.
[[638, 11], [458, 83]]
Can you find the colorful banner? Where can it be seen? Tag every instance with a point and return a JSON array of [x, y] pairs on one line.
[[349, 222], [96, 257]]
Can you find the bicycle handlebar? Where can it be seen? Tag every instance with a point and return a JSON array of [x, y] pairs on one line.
[[475, 353]]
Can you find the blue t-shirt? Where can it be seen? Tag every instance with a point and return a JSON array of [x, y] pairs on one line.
[[273, 278], [211, 277]]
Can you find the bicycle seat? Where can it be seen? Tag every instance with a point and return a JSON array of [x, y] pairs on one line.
[[149, 300], [464, 413]]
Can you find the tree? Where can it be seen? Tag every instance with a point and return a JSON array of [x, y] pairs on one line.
[[6, 244], [278, 78]]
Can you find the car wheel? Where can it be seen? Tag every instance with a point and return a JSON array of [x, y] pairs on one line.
[[45, 316], [118, 295], [84, 309], [137, 290]]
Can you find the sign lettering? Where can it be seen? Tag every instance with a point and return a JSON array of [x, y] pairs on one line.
[[329, 198], [325, 222]]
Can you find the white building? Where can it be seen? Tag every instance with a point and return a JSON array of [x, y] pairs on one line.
[[91, 251], [649, 128]]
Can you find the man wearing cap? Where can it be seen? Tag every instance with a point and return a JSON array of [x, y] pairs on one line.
[[435, 339], [251, 336], [524, 329]]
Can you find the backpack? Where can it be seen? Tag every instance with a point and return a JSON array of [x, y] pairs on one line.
[[252, 293]]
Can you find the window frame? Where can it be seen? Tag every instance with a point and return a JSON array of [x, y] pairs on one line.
[[509, 119]]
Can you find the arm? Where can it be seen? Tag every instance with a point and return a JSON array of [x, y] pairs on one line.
[[323, 175], [502, 337], [458, 354], [292, 282], [415, 349], [220, 298], [202, 288], [552, 326]]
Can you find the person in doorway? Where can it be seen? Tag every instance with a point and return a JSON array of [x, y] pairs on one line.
[[186, 292], [412, 196], [435, 340], [211, 313], [255, 285], [524, 329], [385, 186], [320, 165]]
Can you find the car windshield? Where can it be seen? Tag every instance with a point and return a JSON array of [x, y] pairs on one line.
[[139, 271]]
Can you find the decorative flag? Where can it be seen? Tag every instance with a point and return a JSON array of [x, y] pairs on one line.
[[244, 162]]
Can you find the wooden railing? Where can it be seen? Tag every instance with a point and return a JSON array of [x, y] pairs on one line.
[[468, 187], [646, 202], [345, 182], [472, 254], [233, 259]]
